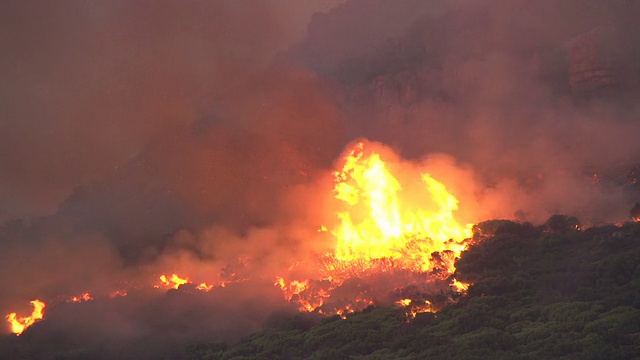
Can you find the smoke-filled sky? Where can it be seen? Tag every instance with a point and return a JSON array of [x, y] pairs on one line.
[[87, 85], [141, 135]]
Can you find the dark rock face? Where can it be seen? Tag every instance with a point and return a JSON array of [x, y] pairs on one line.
[[601, 64], [381, 59]]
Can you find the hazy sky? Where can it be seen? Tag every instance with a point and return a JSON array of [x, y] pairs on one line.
[[87, 84]]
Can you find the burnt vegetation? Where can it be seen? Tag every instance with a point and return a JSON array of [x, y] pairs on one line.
[[552, 291]]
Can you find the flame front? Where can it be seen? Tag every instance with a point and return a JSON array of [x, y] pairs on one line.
[[393, 228], [174, 281], [20, 324], [391, 236], [381, 221]]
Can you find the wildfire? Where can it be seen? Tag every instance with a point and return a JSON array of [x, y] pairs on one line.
[[392, 235], [204, 287], [294, 287], [174, 281], [381, 221], [85, 296], [390, 219], [460, 286], [20, 324]]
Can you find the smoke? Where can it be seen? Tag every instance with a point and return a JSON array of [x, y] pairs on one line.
[[536, 98], [89, 85], [140, 139]]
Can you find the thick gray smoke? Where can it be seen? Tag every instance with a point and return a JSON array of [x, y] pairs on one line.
[[140, 138]]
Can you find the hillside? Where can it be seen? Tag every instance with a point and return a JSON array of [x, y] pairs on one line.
[[539, 293]]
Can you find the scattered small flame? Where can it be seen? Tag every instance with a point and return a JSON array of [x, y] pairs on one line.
[[85, 296], [460, 286], [20, 324], [204, 287], [118, 293]]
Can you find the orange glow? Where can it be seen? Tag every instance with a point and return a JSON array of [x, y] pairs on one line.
[[417, 308], [175, 281], [344, 312], [413, 308], [117, 293], [18, 325]]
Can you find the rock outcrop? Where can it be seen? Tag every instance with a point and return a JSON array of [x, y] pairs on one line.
[[601, 64]]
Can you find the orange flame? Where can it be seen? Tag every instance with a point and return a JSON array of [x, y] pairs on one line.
[[204, 287], [460, 286], [389, 217], [85, 296], [18, 325], [173, 282], [380, 221], [413, 308]]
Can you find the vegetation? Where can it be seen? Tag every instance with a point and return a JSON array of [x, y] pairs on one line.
[[546, 292]]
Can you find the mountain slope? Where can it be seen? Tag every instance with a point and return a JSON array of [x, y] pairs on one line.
[[539, 292]]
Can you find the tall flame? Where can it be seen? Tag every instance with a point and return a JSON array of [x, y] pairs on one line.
[[380, 221], [392, 221], [20, 324]]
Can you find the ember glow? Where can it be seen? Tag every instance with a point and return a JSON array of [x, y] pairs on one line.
[[19, 324], [459, 286]]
